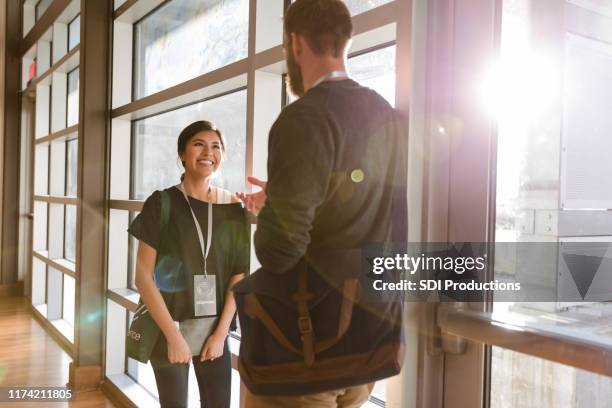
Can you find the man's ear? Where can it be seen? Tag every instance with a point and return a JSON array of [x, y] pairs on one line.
[[296, 44]]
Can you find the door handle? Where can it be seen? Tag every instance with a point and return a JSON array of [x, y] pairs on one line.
[[450, 343]]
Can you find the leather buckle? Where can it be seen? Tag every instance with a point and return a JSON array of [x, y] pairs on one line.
[[304, 324]]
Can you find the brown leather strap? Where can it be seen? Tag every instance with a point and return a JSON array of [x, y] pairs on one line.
[[350, 291], [301, 297], [254, 310]]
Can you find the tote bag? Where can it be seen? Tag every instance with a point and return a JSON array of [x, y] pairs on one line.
[[144, 332]]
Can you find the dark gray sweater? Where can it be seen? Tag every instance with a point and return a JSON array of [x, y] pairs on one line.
[[336, 159]]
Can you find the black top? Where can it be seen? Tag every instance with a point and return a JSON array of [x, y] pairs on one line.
[[179, 255], [336, 162]]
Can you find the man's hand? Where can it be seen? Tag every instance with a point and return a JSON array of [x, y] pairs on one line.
[[254, 202], [213, 347]]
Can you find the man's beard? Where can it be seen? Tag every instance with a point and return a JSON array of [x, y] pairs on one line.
[[294, 75]]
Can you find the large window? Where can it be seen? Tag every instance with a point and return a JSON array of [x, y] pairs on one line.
[[176, 45], [186, 38], [55, 92], [538, 126]]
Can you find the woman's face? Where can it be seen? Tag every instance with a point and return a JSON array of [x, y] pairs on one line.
[[203, 154]]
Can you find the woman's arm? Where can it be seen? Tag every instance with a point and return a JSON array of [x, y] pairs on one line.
[[178, 350], [213, 347]]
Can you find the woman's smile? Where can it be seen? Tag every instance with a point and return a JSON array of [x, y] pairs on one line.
[[206, 162]]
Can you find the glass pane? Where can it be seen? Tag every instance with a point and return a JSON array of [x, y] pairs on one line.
[[70, 233], [380, 390], [73, 98], [553, 168], [116, 330], [74, 32], [41, 214], [549, 92], [359, 6], [68, 307], [41, 169], [155, 162], [187, 38], [118, 223], [523, 381], [376, 70], [71, 167], [55, 298], [133, 255], [41, 7], [39, 282]]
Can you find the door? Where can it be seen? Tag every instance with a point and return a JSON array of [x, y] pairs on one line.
[[519, 156]]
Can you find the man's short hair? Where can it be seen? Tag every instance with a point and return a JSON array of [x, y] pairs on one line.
[[326, 24]]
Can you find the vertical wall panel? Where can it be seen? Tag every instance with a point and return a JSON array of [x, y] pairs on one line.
[[11, 104]]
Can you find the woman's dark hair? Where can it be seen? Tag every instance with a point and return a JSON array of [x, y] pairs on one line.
[[192, 130]]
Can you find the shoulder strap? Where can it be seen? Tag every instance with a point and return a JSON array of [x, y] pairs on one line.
[[165, 210], [169, 296]]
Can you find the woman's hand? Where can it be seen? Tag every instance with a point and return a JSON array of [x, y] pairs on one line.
[[213, 347], [178, 349], [254, 202]]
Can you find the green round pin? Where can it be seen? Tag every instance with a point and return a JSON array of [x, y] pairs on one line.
[[357, 175]]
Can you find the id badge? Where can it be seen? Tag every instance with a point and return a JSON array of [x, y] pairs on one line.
[[205, 295]]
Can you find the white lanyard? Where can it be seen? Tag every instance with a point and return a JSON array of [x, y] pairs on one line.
[[199, 229], [330, 75]]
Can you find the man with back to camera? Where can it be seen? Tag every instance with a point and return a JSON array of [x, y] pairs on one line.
[[334, 159]]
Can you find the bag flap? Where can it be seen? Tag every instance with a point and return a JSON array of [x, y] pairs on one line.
[[327, 271]]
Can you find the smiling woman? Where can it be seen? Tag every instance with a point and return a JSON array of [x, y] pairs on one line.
[[182, 281]]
